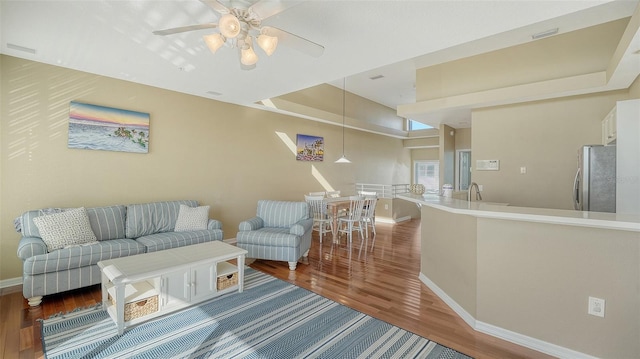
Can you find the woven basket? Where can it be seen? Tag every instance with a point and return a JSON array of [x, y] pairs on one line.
[[226, 281], [139, 308]]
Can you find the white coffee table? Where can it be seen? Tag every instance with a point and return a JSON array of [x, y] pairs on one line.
[[161, 282]]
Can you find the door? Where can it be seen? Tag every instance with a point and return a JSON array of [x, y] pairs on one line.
[[175, 288], [203, 281]]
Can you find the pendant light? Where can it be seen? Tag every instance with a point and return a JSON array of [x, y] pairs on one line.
[[343, 159]]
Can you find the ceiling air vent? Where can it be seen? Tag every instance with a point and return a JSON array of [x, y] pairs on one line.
[[21, 48]]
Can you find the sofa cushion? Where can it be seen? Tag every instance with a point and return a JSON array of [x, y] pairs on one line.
[[280, 214], [28, 228], [167, 240], [192, 218], [108, 222], [157, 217], [66, 228], [81, 256]]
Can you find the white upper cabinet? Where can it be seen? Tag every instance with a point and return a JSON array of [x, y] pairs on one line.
[[609, 131]]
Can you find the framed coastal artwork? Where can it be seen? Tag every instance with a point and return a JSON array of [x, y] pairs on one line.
[[309, 148], [95, 127]]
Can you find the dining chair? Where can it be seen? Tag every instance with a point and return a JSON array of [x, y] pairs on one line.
[[369, 214], [322, 222], [333, 194], [353, 218]]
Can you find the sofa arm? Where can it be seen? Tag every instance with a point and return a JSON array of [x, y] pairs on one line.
[[31, 246], [251, 224], [214, 224], [302, 227]]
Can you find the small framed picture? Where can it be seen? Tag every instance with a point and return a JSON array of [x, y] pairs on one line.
[[309, 148]]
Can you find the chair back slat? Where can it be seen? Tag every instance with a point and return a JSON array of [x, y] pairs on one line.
[[356, 206]]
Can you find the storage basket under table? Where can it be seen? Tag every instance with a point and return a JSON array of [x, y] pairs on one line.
[[140, 299], [227, 276]]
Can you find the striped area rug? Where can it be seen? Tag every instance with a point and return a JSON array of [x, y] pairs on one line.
[[270, 319]]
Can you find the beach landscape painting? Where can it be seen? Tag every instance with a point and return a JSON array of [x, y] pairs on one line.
[[309, 148], [109, 129]]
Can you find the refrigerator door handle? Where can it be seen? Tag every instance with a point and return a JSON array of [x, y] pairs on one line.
[[576, 192]]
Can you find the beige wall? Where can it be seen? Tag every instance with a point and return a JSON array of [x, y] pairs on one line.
[[220, 154], [542, 136], [448, 255], [535, 279], [634, 89]]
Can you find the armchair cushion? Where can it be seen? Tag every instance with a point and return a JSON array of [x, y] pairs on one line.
[[279, 214]]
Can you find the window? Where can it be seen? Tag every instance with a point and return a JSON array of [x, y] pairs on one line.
[[427, 173], [415, 125], [463, 171]]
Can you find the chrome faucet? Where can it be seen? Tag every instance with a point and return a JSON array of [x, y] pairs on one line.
[[478, 195]]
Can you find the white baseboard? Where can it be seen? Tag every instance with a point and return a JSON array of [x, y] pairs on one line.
[[468, 318], [529, 342], [11, 282], [501, 333], [391, 220]]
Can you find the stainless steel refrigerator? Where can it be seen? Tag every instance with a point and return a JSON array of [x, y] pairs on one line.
[[594, 187]]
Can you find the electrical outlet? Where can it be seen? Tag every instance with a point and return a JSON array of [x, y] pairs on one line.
[[596, 307], [386, 206]]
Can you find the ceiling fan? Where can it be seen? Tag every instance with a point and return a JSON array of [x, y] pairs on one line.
[[240, 25]]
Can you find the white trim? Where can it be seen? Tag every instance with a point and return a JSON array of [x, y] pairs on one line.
[[11, 282], [391, 220], [504, 334], [529, 342], [468, 318]]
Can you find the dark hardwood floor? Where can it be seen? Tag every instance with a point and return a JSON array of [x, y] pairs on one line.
[[379, 278]]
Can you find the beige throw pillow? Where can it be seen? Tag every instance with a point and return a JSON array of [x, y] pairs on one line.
[[192, 218], [60, 230]]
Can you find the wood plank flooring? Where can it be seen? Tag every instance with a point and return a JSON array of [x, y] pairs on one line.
[[379, 278]]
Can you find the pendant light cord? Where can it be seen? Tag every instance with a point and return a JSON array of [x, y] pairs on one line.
[[344, 90]]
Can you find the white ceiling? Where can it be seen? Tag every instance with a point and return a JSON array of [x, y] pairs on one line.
[[361, 39]]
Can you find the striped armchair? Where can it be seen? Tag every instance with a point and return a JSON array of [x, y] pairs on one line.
[[280, 231]]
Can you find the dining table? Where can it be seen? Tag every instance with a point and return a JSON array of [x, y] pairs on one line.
[[334, 205]]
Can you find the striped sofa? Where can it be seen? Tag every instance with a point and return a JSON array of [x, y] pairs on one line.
[[280, 231], [121, 230]]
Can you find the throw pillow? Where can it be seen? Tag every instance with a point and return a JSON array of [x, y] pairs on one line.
[[60, 230], [192, 218]]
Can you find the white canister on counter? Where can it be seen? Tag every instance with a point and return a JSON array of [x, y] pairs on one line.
[[447, 190]]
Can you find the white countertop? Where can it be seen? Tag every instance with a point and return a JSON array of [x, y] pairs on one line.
[[544, 215]]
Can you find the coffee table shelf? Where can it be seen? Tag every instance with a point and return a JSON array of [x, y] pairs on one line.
[[141, 287]]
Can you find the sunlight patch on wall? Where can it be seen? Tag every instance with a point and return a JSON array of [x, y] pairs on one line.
[[320, 178], [287, 142]]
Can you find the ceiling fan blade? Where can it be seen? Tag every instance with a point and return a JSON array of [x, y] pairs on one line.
[[216, 6], [176, 30], [268, 8], [294, 41]]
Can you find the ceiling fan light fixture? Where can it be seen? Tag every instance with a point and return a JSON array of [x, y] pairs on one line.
[[267, 43], [214, 41], [229, 26], [248, 57]]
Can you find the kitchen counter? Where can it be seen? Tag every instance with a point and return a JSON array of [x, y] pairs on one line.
[[543, 215], [525, 275]]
